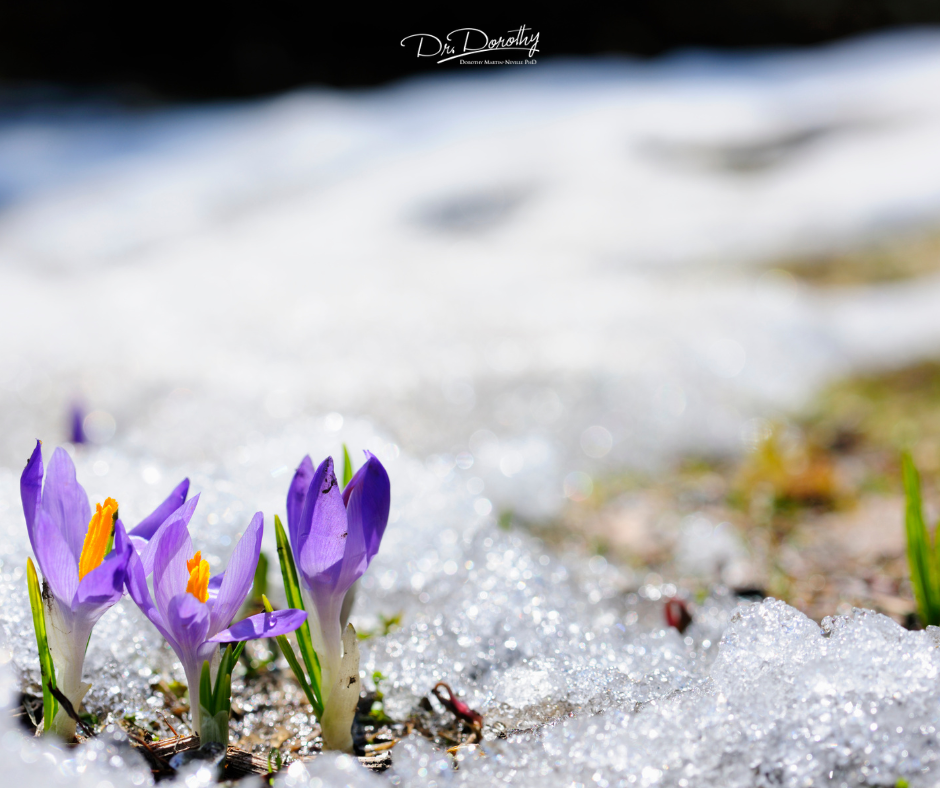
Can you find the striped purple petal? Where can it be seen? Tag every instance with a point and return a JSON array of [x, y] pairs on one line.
[[65, 502], [58, 565], [149, 525], [239, 575], [170, 577], [262, 625], [368, 499], [31, 490], [104, 585], [296, 496], [148, 550]]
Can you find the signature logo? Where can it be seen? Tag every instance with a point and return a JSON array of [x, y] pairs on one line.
[[470, 43]]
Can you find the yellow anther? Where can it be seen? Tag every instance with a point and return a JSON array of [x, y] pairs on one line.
[[98, 537], [198, 584]]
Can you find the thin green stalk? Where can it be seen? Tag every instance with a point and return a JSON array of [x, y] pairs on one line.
[[347, 467], [312, 695], [215, 701], [295, 600], [110, 546], [50, 705], [925, 573], [206, 697]]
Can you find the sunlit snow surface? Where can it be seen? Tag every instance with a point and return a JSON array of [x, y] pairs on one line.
[[519, 278]]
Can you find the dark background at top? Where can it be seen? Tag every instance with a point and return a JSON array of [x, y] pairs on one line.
[[193, 51]]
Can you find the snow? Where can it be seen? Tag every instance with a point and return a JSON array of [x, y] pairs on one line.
[[502, 284]]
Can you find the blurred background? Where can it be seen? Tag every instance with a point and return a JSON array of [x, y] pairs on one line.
[[669, 295]]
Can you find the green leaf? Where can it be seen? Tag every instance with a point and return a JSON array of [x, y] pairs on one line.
[[260, 585], [110, 546], [50, 705], [224, 674], [295, 600], [224, 694], [214, 726], [347, 467], [206, 698], [288, 567], [312, 695], [920, 556]]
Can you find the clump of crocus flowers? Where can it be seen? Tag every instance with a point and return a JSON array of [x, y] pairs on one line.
[[88, 560], [83, 558]]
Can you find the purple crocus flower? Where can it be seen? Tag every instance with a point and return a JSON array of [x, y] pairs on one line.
[[334, 537], [77, 424], [193, 611], [81, 578]]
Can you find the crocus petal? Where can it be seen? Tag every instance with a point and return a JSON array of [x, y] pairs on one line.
[[368, 498], [59, 567], [355, 560], [169, 566], [182, 515], [188, 620], [296, 496], [262, 625], [139, 544], [239, 575], [65, 502], [31, 489], [104, 585], [77, 424], [324, 519], [136, 582], [149, 525], [215, 583]]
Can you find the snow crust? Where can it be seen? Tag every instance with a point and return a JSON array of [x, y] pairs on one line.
[[522, 280], [568, 659]]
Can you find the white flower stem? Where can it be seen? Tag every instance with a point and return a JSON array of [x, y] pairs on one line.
[[326, 632], [339, 710], [68, 638]]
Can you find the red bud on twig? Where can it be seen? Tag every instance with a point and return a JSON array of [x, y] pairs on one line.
[[460, 709], [677, 615]]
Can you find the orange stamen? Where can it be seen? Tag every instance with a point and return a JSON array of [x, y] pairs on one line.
[[98, 537], [198, 584]]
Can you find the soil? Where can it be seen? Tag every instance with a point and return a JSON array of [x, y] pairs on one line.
[[817, 502]]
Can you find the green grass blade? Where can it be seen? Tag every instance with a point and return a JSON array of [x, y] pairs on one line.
[[239, 648], [347, 467], [50, 705], [260, 585], [110, 546], [288, 567], [288, 651], [294, 663], [920, 559], [225, 671], [206, 699], [295, 600], [224, 694]]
